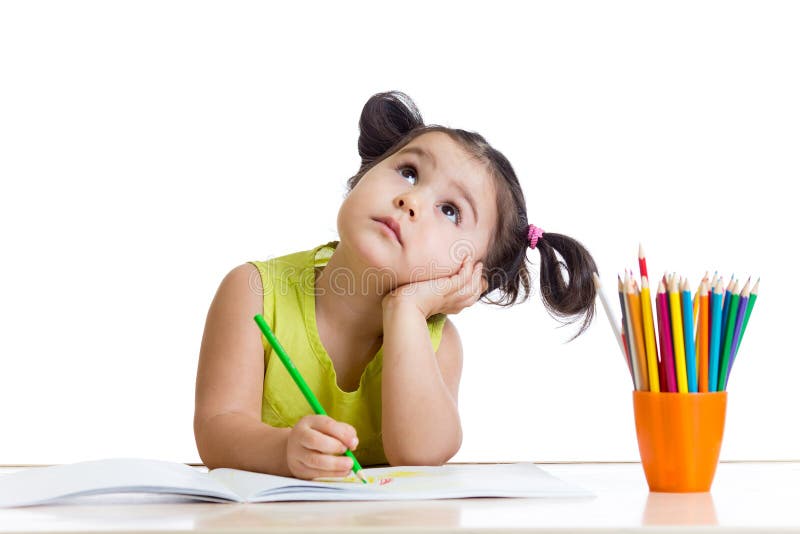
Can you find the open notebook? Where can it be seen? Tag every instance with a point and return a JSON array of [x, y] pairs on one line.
[[131, 475]]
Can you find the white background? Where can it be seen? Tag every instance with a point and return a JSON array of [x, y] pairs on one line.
[[147, 148]]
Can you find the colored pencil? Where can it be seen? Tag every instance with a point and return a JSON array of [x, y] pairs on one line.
[[635, 307], [714, 340], [611, 318], [702, 368], [750, 303], [710, 298], [624, 331], [666, 336], [730, 323], [642, 263], [678, 335], [688, 329], [649, 337], [667, 279], [737, 329], [726, 302], [637, 371], [301, 383], [627, 356], [662, 377], [696, 310]]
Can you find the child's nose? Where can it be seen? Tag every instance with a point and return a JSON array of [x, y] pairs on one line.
[[409, 202]]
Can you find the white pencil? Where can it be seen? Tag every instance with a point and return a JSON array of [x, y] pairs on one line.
[[610, 314]]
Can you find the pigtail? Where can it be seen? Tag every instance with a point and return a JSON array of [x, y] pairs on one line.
[[385, 119], [575, 297]]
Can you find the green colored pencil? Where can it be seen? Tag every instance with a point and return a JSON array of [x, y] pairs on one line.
[[301, 383], [726, 347]]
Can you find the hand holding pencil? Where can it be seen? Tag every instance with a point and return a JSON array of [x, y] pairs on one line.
[[315, 447], [315, 439]]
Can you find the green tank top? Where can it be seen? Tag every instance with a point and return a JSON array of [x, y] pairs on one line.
[[289, 309]]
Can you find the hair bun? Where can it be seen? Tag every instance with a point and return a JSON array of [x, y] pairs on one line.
[[386, 118]]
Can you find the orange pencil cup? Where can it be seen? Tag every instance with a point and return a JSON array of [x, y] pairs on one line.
[[680, 435]]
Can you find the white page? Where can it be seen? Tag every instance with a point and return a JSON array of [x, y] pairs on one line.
[[43, 484], [401, 483]]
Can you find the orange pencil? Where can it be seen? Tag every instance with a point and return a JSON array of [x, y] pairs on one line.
[[635, 303], [696, 321], [702, 368], [696, 306]]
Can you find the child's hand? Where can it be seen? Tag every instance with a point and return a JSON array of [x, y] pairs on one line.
[[447, 294], [314, 446]]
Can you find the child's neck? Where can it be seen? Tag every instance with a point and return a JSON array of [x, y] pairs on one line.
[[348, 300]]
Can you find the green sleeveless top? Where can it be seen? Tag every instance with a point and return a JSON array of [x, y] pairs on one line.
[[289, 309]]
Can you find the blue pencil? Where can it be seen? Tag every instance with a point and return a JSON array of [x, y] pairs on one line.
[[688, 339], [710, 298], [714, 340]]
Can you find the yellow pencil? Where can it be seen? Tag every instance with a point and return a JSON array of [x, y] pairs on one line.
[[649, 337], [634, 301], [677, 335]]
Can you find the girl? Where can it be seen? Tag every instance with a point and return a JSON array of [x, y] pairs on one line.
[[434, 220]]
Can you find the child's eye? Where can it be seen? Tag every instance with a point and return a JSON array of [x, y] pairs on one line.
[[407, 167], [413, 172], [456, 212]]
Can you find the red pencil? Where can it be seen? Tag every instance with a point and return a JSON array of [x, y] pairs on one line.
[[664, 326], [642, 262]]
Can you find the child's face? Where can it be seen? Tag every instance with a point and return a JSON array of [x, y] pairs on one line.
[[437, 224]]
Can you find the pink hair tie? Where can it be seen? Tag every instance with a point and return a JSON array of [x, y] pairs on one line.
[[534, 233]]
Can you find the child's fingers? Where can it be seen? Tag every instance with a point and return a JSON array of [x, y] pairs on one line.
[[465, 272], [321, 465], [470, 284], [342, 432], [316, 441]]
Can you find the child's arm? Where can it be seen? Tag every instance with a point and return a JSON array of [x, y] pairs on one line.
[[230, 381], [420, 420], [230, 378]]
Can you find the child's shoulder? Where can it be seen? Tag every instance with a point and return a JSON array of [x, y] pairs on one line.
[[242, 285]]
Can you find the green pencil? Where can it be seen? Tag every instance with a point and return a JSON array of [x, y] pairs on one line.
[[728, 339], [301, 383]]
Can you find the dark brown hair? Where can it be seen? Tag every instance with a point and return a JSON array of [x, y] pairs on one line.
[[390, 120]]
